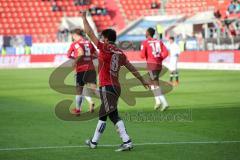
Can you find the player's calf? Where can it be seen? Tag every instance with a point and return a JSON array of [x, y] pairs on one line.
[[91, 107]]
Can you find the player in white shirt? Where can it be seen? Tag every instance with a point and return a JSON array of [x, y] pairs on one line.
[[174, 54]]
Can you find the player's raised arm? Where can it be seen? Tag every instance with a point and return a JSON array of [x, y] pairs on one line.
[[134, 71], [88, 30]]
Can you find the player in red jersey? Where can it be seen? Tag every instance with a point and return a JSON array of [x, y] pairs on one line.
[[154, 51], [110, 60], [82, 52]]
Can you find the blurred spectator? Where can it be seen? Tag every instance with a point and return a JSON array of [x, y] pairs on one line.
[[181, 45], [238, 27], [231, 7], [234, 7], [81, 2], [27, 50], [55, 7], [104, 11], [217, 14], [76, 2], [3, 52], [154, 5], [160, 31], [200, 40], [63, 35], [219, 27], [94, 10], [1, 41], [238, 6], [231, 30]]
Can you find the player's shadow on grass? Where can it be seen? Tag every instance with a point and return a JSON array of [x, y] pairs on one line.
[[62, 112]]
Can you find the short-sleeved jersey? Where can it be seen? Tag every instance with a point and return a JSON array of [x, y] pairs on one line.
[[154, 51], [86, 61], [110, 60], [174, 49]]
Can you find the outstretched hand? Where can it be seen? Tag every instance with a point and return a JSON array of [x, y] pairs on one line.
[[88, 29]]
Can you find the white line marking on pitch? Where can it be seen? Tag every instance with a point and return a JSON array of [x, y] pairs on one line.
[[114, 145]]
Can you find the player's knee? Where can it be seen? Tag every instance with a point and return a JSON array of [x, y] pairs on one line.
[[174, 72], [79, 90], [114, 118], [103, 118]]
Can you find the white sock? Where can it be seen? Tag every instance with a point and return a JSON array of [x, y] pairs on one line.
[[97, 92], [122, 131], [99, 130], [79, 101], [163, 100], [155, 94], [89, 99], [160, 96], [87, 95]]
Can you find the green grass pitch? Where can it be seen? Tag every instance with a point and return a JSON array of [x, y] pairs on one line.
[[210, 99]]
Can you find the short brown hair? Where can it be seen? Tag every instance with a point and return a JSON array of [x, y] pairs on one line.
[[110, 34]]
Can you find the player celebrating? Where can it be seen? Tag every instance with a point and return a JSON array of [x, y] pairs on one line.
[[110, 60], [82, 52], [155, 52], [174, 54]]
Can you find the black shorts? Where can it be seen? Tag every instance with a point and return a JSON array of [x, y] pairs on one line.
[[86, 77], [154, 74], [109, 97]]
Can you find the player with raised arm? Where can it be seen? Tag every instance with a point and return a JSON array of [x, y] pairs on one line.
[[82, 52], [110, 60], [154, 51]]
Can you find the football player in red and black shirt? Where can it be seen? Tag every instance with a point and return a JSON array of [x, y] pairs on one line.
[[154, 51], [82, 52], [110, 60]]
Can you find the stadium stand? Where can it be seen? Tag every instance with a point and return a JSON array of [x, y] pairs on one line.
[[188, 7], [37, 18], [136, 8], [41, 20], [37, 31]]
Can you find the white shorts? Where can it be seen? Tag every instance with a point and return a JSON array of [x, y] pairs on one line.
[[173, 63]]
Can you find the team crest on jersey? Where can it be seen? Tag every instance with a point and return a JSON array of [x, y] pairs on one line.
[[76, 45]]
